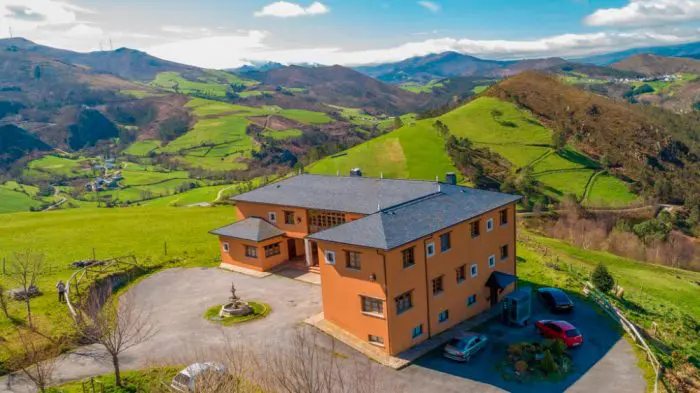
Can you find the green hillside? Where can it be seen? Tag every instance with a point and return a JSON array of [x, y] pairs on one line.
[[417, 151]]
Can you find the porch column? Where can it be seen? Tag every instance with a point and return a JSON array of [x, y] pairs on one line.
[[307, 251]]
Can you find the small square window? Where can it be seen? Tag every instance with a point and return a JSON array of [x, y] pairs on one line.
[[445, 242], [330, 258], [251, 252], [471, 300], [408, 257], [443, 316], [272, 216], [376, 340], [225, 247], [474, 270], [289, 217], [492, 261], [430, 249], [504, 252], [461, 273], [417, 331], [489, 225], [352, 260], [438, 288], [476, 228]]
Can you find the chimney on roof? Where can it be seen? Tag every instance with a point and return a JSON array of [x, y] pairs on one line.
[[357, 172], [451, 178]]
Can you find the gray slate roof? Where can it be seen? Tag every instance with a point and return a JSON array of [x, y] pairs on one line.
[[252, 228], [339, 193], [393, 227]]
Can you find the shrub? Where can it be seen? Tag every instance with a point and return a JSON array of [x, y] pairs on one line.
[[602, 279], [548, 364], [515, 350], [521, 366]]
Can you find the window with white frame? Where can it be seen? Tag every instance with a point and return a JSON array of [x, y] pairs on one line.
[[225, 246], [492, 260], [251, 251], [376, 340], [430, 249], [330, 257], [272, 216], [474, 270], [489, 225]]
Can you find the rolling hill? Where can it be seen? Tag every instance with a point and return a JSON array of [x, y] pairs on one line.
[[343, 86], [653, 65], [685, 50], [451, 64]]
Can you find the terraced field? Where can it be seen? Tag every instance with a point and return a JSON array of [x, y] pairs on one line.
[[55, 166], [213, 83]]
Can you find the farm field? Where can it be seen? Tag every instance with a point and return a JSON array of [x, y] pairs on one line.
[[607, 190], [14, 201], [60, 166], [567, 181], [661, 86], [213, 83], [141, 148], [421, 88], [283, 134]]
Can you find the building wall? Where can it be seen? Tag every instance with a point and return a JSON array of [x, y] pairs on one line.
[[236, 254], [341, 287], [297, 230]]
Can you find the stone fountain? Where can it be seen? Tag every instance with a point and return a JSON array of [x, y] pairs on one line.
[[235, 307]]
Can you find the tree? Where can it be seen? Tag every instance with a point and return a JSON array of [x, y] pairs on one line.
[[548, 364], [602, 279], [37, 72], [35, 356], [3, 302], [398, 123], [117, 325], [558, 140], [25, 270]]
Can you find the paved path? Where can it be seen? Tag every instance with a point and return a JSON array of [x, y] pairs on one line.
[[177, 298]]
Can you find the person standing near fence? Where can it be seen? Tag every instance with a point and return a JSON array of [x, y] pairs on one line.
[[61, 291]]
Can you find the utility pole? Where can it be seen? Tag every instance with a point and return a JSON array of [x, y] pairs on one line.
[[10, 31]]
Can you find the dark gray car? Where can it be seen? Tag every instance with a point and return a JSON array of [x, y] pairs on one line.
[[464, 346]]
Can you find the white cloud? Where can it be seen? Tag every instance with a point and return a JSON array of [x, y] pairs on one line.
[[646, 13], [84, 31], [285, 9], [431, 6], [246, 47], [28, 15]]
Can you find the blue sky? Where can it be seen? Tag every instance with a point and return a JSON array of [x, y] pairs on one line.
[[229, 33]]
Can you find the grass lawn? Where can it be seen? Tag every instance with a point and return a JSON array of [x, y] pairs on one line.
[[476, 122], [213, 131], [283, 134], [567, 182], [212, 83], [608, 190], [65, 236], [141, 148], [479, 89], [146, 380], [228, 163], [421, 88], [413, 151], [260, 310], [14, 201]]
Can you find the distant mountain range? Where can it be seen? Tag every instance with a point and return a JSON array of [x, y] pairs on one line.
[[653, 65], [452, 64], [685, 50]]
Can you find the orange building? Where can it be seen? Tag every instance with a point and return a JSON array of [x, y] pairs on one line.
[[400, 260]]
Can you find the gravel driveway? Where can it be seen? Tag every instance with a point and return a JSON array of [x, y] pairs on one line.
[[177, 298]]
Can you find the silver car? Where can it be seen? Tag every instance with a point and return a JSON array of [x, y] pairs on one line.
[[464, 346]]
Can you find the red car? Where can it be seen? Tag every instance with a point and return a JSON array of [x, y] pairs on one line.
[[560, 330]]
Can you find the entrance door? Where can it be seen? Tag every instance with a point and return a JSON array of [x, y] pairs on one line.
[[314, 254], [494, 295], [292, 248]]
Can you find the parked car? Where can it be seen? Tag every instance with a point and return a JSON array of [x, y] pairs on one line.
[[560, 330], [556, 299], [200, 377], [464, 346]]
